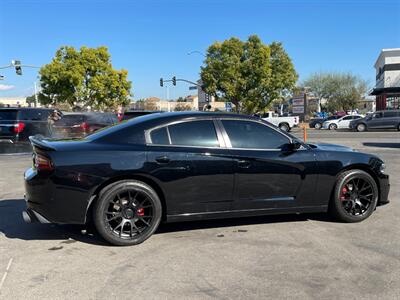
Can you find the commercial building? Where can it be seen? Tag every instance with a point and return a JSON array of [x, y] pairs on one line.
[[387, 86]]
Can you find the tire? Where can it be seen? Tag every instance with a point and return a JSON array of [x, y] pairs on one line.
[[347, 204], [332, 127], [127, 212], [318, 126], [361, 127], [284, 127]]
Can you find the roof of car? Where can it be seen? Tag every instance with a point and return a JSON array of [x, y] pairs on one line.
[[26, 108]]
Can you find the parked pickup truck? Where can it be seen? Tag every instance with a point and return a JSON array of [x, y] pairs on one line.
[[284, 123]]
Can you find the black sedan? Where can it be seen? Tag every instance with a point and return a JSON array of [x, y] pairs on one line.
[[193, 166]]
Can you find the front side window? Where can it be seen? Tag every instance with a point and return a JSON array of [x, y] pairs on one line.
[[253, 135], [194, 133]]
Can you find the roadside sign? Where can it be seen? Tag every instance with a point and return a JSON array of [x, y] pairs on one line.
[[192, 87], [298, 109], [228, 106]]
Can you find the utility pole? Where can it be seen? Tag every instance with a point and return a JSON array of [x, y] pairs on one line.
[[36, 97]]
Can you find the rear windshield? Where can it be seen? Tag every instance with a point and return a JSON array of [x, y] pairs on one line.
[[8, 115], [71, 120]]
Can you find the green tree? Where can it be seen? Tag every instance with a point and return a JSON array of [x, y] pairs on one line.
[[249, 74], [86, 78], [30, 99], [342, 91]]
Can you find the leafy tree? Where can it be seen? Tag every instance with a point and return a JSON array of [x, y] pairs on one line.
[[182, 106], [342, 91], [85, 77], [30, 99], [180, 99], [249, 74]]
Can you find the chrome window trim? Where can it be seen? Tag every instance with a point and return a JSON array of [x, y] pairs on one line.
[[228, 142], [186, 120]]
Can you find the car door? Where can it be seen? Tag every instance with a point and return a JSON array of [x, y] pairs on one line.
[[345, 122], [376, 121], [196, 172], [390, 119], [266, 175]]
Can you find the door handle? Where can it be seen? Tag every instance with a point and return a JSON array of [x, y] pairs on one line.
[[245, 164], [163, 159]]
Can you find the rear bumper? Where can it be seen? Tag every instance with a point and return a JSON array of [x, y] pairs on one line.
[[48, 200], [31, 216]]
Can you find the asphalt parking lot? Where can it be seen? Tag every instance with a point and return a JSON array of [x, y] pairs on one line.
[[296, 256]]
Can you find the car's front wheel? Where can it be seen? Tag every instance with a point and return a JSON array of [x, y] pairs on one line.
[[361, 127], [127, 212], [332, 127], [317, 125], [355, 196]]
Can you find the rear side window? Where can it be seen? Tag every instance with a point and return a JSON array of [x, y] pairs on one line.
[[390, 114], [194, 133], [160, 136], [8, 115], [348, 118], [252, 135]]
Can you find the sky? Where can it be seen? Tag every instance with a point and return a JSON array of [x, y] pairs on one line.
[[152, 39]]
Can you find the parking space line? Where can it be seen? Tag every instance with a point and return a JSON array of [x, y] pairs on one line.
[[5, 273]]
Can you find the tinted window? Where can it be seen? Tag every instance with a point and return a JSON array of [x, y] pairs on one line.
[[377, 115], [356, 117], [246, 134], [194, 133], [8, 115], [390, 114], [159, 136], [33, 115], [348, 118]]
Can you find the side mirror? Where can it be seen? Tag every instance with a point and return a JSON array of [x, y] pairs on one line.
[[291, 147]]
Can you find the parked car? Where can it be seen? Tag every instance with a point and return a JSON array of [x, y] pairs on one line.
[[317, 122], [341, 123], [194, 166], [384, 119], [18, 123], [78, 125], [130, 114], [284, 123]]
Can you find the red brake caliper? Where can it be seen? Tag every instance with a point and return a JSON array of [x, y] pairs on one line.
[[342, 194], [140, 212]]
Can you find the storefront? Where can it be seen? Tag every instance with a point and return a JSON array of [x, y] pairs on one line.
[[387, 86], [388, 98]]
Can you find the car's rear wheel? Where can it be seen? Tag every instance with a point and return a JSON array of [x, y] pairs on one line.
[[317, 125], [284, 127], [355, 196], [332, 127], [127, 213], [361, 127]]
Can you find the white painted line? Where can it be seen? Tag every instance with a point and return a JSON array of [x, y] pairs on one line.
[[6, 272]]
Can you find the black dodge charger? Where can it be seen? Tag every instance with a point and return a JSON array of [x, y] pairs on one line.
[[169, 167]]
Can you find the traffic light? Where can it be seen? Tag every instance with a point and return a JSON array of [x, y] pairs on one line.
[[161, 82], [17, 65], [174, 80]]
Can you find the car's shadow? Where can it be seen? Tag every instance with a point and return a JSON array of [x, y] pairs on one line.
[[382, 145], [13, 226]]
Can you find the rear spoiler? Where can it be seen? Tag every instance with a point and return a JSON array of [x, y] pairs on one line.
[[40, 142]]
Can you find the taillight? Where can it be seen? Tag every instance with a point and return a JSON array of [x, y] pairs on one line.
[[19, 127], [85, 126], [43, 163]]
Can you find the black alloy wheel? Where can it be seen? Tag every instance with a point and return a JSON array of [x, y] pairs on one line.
[[127, 213], [355, 197]]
